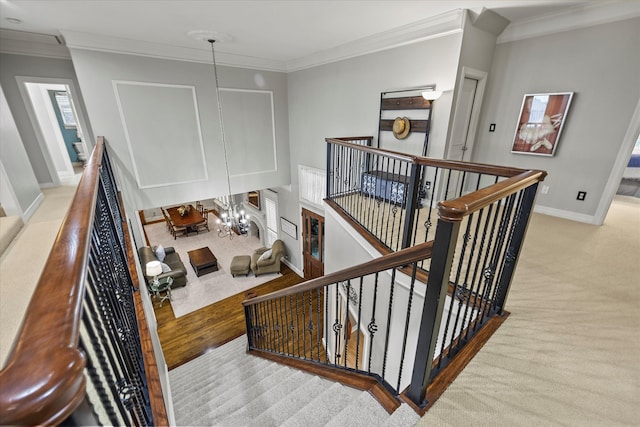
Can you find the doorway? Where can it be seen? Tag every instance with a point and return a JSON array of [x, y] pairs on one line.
[[313, 244], [58, 126]]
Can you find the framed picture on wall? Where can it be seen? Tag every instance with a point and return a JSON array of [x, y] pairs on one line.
[[542, 117]]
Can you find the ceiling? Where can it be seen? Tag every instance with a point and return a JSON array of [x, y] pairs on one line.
[[277, 34]]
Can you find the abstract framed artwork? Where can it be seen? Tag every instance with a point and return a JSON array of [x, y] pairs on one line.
[[542, 117]]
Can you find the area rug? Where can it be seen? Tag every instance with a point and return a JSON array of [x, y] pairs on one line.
[[212, 287]]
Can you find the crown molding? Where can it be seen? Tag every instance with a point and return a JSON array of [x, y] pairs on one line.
[[571, 19], [88, 41], [32, 44], [437, 26]]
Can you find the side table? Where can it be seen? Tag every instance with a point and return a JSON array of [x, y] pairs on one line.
[[163, 285]]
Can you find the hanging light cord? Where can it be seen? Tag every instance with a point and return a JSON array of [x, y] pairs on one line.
[[224, 143]]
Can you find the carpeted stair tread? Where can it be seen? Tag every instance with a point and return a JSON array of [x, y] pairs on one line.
[[217, 370], [249, 413], [285, 408], [322, 408], [210, 399], [353, 415], [268, 390], [224, 375]]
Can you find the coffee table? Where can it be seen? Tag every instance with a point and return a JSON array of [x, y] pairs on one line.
[[203, 261]]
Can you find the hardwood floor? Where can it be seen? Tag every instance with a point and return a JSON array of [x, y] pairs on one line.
[[192, 335]]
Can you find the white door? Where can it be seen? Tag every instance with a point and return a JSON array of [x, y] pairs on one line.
[[461, 139]]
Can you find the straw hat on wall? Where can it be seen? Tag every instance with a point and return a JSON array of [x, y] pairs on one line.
[[401, 127]]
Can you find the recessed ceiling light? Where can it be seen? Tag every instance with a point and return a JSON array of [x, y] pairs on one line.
[[13, 20], [206, 35]]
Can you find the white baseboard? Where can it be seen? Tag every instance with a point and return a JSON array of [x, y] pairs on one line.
[[291, 266], [573, 216], [28, 213]]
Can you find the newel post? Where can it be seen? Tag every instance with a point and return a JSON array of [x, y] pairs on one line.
[[443, 250], [411, 205]]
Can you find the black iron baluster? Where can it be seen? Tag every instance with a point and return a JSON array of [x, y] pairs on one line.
[[358, 328], [326, 324], [337, 326], [319, 322], [347, 331], [297, 324], [372, 327], [386, 338], [310, 325], [304, 325]]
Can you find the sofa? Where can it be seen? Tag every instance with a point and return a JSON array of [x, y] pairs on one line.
[[261, 264], [178, 271]]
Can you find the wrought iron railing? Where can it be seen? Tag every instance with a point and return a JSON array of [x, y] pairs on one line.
[[389, 318], [78, 357]]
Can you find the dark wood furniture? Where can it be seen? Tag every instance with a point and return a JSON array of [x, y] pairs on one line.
[[190, 220], [203, 261]]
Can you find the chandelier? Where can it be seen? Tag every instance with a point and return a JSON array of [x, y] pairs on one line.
[[233, 223]]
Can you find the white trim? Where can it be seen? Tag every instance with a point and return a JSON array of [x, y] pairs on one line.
[[273, 130], [582, 16], [130, 145], [426, 29], [28, 213], [560, 213], [57, 132], [22, 88], [292, 267], [619, 166], [101, 43]]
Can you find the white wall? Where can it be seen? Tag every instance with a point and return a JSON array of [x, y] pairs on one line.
[[601, 65], [96, 73], [20, 189]]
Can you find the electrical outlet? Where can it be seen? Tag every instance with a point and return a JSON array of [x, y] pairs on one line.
[[581, 195], [427, 185], [492, 127], [544, 189]]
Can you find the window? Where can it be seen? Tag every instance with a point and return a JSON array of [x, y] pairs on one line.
[[64, 104]]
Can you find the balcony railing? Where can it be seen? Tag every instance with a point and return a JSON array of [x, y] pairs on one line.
[[83, 354], [404, 317]]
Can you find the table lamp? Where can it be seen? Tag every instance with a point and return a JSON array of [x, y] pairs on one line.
[[153, 269]]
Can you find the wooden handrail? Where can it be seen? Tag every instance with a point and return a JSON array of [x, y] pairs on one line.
[[483, 168], [43, 381], [455, 210], [385, 262]]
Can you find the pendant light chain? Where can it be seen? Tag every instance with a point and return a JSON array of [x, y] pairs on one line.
[[224, 142]]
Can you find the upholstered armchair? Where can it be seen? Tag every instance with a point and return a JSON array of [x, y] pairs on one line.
[[265, 260]]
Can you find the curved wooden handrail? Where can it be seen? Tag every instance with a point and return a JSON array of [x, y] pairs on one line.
[[455, 210], [43, 381], [385, 262]]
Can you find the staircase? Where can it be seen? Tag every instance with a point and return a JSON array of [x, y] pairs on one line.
[[227, 387]]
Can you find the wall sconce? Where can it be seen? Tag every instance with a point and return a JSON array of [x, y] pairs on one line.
[[431, 94]]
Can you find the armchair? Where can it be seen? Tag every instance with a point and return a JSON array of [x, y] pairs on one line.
[[270, 264]]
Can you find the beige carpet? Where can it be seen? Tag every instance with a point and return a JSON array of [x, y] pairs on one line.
[[24, 259], [569, 354], [208, 288]]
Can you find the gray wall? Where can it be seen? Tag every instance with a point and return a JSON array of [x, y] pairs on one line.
[[343, 99], [96, 73], [22, 180], [601, 65], [31, 66]]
